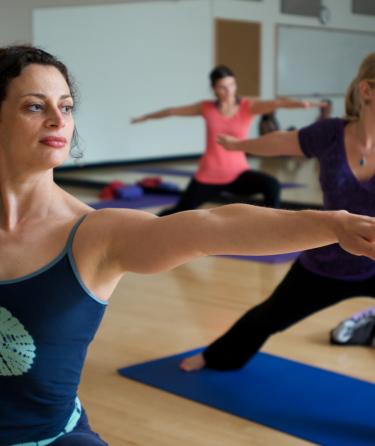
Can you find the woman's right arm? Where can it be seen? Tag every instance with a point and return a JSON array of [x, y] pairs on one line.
[[273, 144], [143, 243], [185, 110]]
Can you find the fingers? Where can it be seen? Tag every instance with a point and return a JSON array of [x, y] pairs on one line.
[[222, 140], [367, 231], [361, 247], [136, 120], [310, 104], [228, 142], [317, 104], [358, 236]]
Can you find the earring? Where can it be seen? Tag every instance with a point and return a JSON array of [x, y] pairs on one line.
[[367, 101]]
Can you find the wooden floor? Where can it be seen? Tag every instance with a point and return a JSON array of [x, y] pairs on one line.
[[153, 316]]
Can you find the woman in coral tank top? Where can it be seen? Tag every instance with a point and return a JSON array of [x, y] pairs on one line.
[[220, 170]]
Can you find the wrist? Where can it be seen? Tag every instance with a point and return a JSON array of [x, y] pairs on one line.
[[328, 224], [336, 222], [235, 145]]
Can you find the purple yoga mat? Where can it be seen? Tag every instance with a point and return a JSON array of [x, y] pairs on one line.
[[292, 185], [146, 201], [275, 258], [161, 171]]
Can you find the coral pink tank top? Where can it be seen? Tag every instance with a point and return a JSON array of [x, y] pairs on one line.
[[218, 165]]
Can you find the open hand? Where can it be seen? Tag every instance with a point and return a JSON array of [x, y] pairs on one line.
[[315, 104], [137, 120], [227, 141], [356, 234]]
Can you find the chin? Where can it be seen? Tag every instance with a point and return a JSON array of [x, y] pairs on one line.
[[54, 160]]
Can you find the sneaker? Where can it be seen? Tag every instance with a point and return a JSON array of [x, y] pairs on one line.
[[358, 330]]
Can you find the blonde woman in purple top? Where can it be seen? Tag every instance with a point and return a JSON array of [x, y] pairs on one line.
[[320, 277]]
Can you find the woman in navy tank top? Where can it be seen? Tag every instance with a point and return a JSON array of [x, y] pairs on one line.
[[61, 260], [345, 149]]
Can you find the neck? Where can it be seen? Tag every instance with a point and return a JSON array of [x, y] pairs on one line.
[[230, 102], [24, 198], [366, 132]]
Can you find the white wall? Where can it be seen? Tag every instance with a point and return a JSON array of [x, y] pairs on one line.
[[129, 60], [15, 25], [268, 13], [16, 16]]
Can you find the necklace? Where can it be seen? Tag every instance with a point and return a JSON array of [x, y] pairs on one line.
[[363, 158], [364, 153]]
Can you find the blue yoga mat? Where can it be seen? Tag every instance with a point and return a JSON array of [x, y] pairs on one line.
[[310, 403]]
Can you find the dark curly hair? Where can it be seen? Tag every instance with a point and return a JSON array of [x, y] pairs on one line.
[[13, 60], [220, 72]]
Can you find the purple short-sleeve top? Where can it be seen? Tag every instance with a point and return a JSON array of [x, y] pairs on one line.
[[324, 140]]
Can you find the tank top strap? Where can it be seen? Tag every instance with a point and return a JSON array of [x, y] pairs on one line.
[[69, 243]]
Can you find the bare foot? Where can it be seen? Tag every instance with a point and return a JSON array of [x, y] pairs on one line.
[[195, 362]]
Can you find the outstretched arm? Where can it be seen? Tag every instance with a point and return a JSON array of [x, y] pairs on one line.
[[273, 144], [186, 110], [143, 243], [260, 107]]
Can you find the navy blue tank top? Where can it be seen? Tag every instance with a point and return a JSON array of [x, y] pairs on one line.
[[47, 320]]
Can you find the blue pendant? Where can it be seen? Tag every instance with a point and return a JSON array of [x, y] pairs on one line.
[[362, 162]]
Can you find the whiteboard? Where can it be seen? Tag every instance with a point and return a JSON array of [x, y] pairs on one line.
[[130, 59], [316, 61]]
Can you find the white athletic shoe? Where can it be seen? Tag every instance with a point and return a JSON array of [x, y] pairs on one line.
[[358, 330]]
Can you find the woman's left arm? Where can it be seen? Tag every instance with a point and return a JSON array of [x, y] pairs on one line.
[[260, 107], [143, 243]]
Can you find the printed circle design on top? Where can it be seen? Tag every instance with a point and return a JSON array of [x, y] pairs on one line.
[[17, 347]]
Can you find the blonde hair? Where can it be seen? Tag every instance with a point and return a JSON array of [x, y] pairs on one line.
[[352, 99]]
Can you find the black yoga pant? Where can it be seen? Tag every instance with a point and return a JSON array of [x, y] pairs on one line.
[[81, 435], [248, 183], [300, 294]]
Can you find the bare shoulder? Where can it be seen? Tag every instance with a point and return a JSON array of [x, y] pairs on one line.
[[106, 234], [251, 99], [107, 223], [115, 216]]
